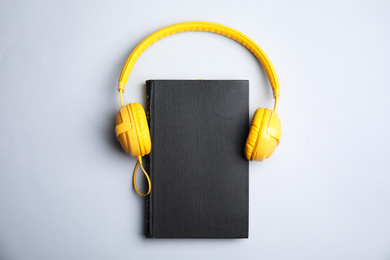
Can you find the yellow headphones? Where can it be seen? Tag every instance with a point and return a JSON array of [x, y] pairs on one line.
[[131, 125]]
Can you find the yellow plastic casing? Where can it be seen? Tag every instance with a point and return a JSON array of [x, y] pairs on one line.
[[132, 130]]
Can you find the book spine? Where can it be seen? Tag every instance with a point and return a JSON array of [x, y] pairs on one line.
[[148, 199]]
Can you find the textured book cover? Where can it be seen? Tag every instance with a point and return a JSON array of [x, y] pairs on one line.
[[200, 182]]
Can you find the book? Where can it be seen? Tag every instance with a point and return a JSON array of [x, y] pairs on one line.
[[199, 175]]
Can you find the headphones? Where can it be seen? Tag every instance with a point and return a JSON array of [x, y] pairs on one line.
[[132, 127]]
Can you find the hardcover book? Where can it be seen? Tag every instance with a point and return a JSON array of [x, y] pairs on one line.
[[199, 175]]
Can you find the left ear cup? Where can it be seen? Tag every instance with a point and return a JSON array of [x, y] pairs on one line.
[[125, 131], [264, 135], [132, 130]]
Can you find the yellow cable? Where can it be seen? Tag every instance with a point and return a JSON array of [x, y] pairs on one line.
[[276, 103], [139, 162], [121, 96]]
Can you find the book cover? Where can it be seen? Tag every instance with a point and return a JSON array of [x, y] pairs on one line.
[[199, 175]]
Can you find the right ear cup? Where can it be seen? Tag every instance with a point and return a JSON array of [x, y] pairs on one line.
[[264, 135], [132, 130]]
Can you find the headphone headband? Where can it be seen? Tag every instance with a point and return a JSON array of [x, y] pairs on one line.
[[204, 27], [132, 129]]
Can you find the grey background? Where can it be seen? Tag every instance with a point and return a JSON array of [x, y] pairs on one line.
[[65, 183]]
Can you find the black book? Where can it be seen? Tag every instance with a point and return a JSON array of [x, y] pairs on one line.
[[199, 175]]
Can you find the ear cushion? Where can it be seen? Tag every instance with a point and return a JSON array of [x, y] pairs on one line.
[[264, 135], [142, 128], [257, 127]]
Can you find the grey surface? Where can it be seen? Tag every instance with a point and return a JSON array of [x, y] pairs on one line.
[[65, 183]]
